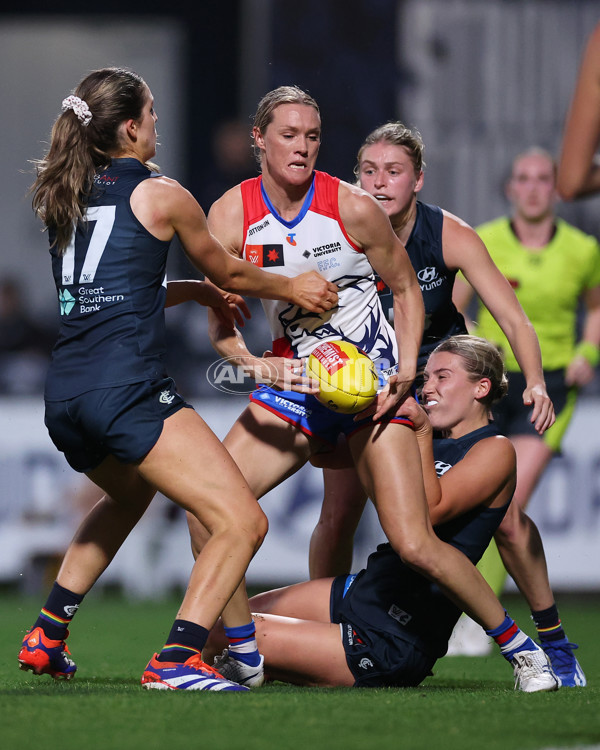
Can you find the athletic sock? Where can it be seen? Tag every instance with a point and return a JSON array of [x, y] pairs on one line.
[[242, 644], [185, 639], [548, 624], [57, 613], [511, 638]]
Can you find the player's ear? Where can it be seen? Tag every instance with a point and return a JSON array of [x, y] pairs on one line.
[[483, 387], [420, 180], [258, 137], [131, 129]]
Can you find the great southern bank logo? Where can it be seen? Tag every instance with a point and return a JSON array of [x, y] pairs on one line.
[[66, 301], [240, 375]]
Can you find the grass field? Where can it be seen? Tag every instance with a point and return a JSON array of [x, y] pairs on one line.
[[469, 703]]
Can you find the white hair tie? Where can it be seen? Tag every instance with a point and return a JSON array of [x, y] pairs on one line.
[[80, 107]]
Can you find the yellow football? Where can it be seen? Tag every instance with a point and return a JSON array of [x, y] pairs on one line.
[[347, 377]]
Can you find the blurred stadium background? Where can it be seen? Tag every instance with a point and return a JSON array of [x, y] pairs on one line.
[[481, 79]]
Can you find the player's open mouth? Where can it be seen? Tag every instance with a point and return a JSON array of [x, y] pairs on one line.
[[430, 403], [380, 197]]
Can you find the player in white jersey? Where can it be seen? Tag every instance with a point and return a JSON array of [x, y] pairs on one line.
[[278, 432], [316, 240]]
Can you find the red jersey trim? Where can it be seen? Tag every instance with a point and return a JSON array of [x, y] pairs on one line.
[[281, 348], [328, 187], [253, 204], [325, 202]]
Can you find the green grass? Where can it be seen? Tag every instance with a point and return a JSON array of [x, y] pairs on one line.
[[469, 704]]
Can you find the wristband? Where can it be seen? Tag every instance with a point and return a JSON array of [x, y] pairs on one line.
[[589, 352]]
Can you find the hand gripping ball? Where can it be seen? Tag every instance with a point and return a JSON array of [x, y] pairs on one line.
[[347, 377]]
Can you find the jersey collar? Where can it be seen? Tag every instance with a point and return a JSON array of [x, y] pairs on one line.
[[303, 211]]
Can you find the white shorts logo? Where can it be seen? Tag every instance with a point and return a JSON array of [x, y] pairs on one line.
[[441, 468], [166, 398], [365, 663]]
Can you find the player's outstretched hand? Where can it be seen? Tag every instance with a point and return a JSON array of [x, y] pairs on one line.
[[388, 399], [542, 414], [230, 308], [313, 293], [288, 374], [417, 414]]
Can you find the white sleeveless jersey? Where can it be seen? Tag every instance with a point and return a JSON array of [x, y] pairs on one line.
[[316, 241]]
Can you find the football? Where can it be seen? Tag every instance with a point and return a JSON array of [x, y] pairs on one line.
[[347, 377]]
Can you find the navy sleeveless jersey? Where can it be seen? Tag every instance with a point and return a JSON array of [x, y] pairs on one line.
[[405, 603], [424, 248], [111, 292]]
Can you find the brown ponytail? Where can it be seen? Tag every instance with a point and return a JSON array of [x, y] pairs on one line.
[[65, 176]]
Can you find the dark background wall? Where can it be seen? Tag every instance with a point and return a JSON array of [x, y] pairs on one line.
[[481, 79]]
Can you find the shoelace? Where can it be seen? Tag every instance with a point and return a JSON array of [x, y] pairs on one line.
[[526, 667], [218, 661], [197, 663]]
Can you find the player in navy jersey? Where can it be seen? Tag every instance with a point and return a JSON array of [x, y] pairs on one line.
[[387, 625], [301, 218], [390, 167], [110, 406]]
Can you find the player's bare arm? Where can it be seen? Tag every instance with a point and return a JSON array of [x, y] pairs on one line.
[[279, 372], [487, 471], [226, 220], [170, 209], [464, 250], [579, 166], [370, 228]]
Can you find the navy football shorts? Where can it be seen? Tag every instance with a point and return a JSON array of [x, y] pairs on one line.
[[308, 414], [511, 416], [125, 421], [375, 657]]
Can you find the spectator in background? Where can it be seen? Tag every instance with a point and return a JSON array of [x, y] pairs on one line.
[[579, 165], [25, 344], [552, 267]]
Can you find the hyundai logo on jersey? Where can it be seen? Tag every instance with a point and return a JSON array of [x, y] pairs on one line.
[[426, 275]]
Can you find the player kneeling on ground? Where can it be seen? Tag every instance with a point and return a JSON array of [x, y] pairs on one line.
[[387, 625]]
